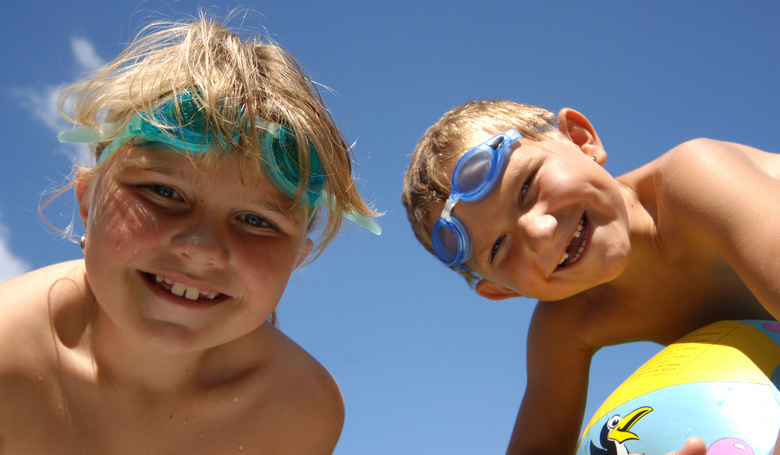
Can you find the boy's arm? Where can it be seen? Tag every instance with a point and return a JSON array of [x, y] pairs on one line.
[[551, 412], [727, 197]]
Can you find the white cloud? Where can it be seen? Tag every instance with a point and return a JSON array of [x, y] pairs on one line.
[[10, 265], [42, 102], [85, 54]]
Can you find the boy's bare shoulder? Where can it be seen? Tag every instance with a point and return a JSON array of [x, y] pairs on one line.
[[702, 179], [701, 158]]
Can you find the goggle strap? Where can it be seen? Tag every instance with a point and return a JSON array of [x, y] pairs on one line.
[[92, 134], [327, 200], [85, 134], [448, 206], [496, 142]]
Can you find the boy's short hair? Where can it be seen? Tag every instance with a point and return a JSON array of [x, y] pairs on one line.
[[428, 180], [237, 80]]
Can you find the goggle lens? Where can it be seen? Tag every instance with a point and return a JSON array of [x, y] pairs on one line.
[[474, 177], [451, 242], [472, 173], [281, 151]]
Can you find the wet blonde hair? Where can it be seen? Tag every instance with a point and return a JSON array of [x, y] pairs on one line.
[[238, 83], [427, 182]]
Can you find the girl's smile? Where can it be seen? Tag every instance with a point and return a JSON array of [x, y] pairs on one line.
[[194, 297]]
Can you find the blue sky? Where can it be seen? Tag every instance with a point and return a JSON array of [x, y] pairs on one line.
[[425, 365]]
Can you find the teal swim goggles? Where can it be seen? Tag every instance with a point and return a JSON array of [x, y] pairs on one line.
[[180, 123], [474, 177]]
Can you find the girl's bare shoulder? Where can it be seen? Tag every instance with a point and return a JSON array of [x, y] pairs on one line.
[[311, 397], [29, 305]]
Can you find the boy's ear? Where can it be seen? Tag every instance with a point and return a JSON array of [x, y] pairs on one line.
[[494, 291], [577, 128], [83, 184]]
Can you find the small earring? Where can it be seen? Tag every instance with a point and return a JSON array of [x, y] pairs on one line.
[[83, 242], [593, 157]]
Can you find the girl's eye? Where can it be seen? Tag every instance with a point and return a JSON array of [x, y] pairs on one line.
[[254, 220], [164, 191]]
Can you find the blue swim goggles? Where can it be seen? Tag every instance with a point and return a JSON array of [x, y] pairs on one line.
[[180, 123], [473, 178]]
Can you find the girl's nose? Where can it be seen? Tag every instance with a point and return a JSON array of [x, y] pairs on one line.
[[202, 244]]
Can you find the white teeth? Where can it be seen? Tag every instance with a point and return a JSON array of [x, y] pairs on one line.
[[192, 293], [178, 289], [563, 258], [577, 234], [185, 291]]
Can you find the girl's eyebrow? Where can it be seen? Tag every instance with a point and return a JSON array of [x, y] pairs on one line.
[[150, 164], [160, 164]]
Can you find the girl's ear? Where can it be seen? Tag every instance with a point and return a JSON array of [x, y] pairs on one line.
[[494, 291], [84, 179], [577, 128], [304, 253]]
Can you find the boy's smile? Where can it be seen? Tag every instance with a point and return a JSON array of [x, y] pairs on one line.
[[577, 245], [555, 225]]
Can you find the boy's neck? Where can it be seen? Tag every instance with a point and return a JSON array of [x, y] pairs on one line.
[[645, 246]]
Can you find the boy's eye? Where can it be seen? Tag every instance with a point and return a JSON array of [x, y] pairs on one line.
[[527, 185], [496, 246]]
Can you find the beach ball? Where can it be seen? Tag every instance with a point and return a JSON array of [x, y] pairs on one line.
[[719, 383]]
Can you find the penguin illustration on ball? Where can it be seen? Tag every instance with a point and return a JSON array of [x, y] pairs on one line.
[[615, 433]]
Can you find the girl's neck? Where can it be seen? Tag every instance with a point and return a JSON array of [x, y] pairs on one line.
[[138, 366]]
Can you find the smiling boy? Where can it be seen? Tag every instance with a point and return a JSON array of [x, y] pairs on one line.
[[652, 255]]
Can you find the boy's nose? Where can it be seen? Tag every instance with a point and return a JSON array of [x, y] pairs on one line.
[[202, 244], [539, 230]]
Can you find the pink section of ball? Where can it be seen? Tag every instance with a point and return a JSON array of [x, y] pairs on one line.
[[730, 446], [772, 326]]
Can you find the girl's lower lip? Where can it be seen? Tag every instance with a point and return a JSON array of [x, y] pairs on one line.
[[180, 300]]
